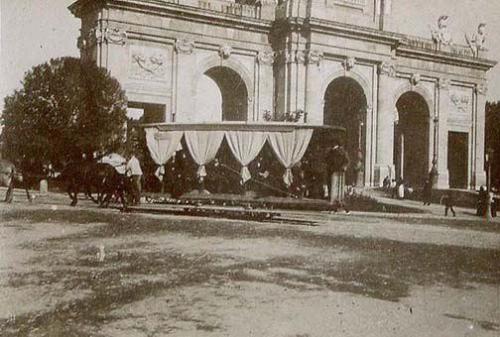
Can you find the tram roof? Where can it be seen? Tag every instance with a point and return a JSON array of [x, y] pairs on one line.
[[241, 126]]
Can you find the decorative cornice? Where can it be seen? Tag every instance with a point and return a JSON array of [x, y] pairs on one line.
[[184, 46], [387, 69], [265, 57]]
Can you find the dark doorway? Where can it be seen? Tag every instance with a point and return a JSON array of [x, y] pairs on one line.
[[233, 92], [458, 158], [411, 139], [345, 106]]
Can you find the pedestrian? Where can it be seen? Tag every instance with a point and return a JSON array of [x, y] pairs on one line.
[[386, 184], [447, 200], [481, 202], [338, 161], [427, 192], [134, 171]]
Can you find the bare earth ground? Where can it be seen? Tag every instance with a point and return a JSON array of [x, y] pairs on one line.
[[315, 274]]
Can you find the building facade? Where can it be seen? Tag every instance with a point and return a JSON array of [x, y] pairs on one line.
[[409, 104]]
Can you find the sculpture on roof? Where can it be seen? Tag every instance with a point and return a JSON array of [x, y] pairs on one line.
[[441, 34], [476, 40]]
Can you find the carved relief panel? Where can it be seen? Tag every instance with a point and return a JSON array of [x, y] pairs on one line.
[[460, 105], [148, 63]]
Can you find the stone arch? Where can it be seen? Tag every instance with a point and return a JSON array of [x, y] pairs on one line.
[[233, 64], [407, 87], [412, 147], [353, 74], [346, 99]]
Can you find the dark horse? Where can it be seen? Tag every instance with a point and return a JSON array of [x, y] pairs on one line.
[[89, 177], [8, 176]]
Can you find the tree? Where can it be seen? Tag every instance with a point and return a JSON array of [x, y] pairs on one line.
[[492, 139], [65, 108]]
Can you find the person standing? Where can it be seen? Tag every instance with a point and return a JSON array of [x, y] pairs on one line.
[[427, 192], [338, 161], [134, 171]]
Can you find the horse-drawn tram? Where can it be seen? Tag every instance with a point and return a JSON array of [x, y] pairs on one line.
[[239, 166]]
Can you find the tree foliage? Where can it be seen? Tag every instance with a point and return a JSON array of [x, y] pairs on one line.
[[492, 140], [65, 108]]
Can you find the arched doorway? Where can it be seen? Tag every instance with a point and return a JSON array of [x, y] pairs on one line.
[[345, 106], [222, 95], [411, 139]]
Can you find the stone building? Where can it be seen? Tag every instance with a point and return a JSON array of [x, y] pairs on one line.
[[407, 102]]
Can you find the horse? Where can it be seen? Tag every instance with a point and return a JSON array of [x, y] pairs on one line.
[[8, 176], [88, 177]]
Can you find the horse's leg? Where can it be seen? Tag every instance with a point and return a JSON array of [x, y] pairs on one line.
[[10, 192]]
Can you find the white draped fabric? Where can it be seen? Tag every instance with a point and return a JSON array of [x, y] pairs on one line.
[[245, 146], [203, 146], [162, 146], [290, 147]]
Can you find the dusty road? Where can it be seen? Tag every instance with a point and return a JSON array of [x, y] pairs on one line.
[[89, 272]]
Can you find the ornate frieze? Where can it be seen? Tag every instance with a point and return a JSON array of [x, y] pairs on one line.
[[148, 63], [184, 46], [349, 63], [314, 57], [461, 100], [109, 35], [225, 51], [265, 57], [387, 69], [115, 36], [444, 83]]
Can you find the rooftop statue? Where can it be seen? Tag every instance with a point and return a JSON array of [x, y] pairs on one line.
[[476, 40], [441, 34]]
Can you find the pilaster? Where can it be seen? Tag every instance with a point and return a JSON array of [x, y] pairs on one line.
[[478, 165], [385, 124], [441, 146]]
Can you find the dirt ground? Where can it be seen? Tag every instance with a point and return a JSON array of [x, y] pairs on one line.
[[90, 272]]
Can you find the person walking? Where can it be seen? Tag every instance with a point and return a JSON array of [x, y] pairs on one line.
[[134, 171], [448, 202]]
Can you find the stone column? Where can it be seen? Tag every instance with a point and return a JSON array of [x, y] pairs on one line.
[[441, 148], [479, 172], [385, 124]]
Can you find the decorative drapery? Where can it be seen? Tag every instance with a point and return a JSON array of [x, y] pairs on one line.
[[290, 147], [203, 146], [162, 146], [245, 146]]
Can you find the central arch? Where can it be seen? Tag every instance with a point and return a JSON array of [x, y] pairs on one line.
[[345, 106], [411, 138], [222, 96]]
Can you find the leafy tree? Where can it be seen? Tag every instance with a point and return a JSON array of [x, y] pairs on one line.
[[65, 108], [492, 140]]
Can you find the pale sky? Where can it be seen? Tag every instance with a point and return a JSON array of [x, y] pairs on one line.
[[33, 31]]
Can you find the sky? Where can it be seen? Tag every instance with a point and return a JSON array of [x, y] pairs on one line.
[[33, 31]]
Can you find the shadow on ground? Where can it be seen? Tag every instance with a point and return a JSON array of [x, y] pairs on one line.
[[382, 269]]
